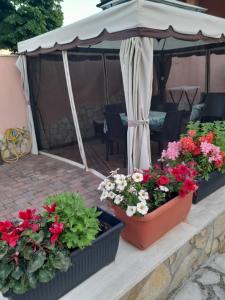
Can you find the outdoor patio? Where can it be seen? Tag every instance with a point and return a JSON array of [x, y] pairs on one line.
[[27, 183]]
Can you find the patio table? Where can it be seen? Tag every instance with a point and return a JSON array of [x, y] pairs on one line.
[[156, 119], [187, 91]]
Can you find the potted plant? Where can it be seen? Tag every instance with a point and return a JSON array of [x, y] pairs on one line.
[[150, 202], [43, 256], [203, 146]]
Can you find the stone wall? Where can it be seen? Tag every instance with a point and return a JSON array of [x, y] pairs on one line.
[[168, 276]]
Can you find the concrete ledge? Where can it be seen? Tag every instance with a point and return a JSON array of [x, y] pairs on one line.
[[155, 273]]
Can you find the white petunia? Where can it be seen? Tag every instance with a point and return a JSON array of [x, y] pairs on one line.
[[111, 195], [137, 177], [132, 190], [142, 199], [143, 194], [131, 210], [104, 195], [118, 199], [109, 186], [142, 208], [120, 187], [163, 188], [101, 186]]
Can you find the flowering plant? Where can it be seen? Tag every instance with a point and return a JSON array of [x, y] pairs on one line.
[[35, 246], [146, 190], [199, 149]]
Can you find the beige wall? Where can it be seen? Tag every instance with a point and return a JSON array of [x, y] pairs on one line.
[[12, 101]]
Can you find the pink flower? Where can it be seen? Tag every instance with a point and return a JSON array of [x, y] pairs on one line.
[[172, 152], [211, 151]]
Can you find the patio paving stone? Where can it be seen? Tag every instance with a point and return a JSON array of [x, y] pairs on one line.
[[29, 181]]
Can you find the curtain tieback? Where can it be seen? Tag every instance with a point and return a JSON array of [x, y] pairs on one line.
[[132, 123]]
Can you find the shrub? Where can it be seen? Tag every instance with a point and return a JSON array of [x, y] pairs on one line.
[[81, 224]]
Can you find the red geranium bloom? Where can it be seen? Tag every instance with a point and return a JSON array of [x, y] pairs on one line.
[[146, 178], [191, 133], [163, 180], [28, 214], [187, 144], [209, 137], [6, 226], [182, 169], [189, 185], [50, 208], [197, 151], [56, 228], [182, 192], [11, 238]]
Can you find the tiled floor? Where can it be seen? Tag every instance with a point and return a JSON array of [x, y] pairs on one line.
[[29, 181]]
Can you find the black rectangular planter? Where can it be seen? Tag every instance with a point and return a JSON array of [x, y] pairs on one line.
[[216, 181], [84, 263]]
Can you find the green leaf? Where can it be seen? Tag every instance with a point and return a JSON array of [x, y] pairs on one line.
[[37, 262], [61, 261], [3, 249], [32, 280], [21, 286], [46, 274], [28, 253], [17, 273], [5, 270]]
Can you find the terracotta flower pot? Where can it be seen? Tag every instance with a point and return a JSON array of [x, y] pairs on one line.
[[144, 231]]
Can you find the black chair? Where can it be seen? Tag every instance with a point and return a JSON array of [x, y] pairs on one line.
[[156, 104], [171, 129], [115, 108], [116, 133], [214, 109], [170, 107]]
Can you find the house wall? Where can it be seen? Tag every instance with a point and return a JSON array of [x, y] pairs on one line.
[[190, 71], [12, 101]]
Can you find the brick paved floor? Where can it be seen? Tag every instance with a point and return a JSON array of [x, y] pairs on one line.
[[28, 182]]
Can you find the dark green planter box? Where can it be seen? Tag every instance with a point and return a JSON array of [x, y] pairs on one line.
[[84, 264], [216, 181]]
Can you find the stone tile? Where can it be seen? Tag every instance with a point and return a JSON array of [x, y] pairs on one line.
[[220, 293], [209, 277], [218, 263], [190, 291]]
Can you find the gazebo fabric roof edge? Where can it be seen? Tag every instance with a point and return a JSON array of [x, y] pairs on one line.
[[131, 19], [125, 34]]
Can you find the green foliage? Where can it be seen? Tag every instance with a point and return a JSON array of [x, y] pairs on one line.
[[217, 127], [81, 224], [24, 19]]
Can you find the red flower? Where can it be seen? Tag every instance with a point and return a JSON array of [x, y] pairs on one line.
[[197, 151], [28, 214], [163, 180], [146, 178], [50, 208], [209, 137], [5, 226], [218, 164], [27, 225], [56, 228], [191, 133], [11, 238], [182, 169], [189, 185], [182, 192], [187, 144]]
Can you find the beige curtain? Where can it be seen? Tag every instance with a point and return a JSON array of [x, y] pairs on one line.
[[22, 66], [136, 57]]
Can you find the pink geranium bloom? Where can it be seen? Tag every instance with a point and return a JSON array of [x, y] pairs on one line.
[[172, 152]]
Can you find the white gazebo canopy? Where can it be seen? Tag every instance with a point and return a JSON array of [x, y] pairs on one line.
[[137, 28], [130, 19]]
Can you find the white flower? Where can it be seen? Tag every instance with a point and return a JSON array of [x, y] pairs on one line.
[[142, 200], [137, 177], [131, 210], [109, 186], [101, 186], [104, 195], [111, 195], [132, 190], [118, 199], [163, 188], [142, 208], [143, 194], [120, 187]]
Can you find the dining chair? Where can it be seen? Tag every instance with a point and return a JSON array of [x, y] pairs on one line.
[[115, 108], [170, 130], [214, 108], [116, 133]]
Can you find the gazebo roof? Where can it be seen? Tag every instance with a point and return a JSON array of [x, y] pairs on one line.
[[133, 18]]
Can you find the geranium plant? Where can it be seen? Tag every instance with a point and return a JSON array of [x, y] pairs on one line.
[[37, 245], [199, 148], [144, 191]]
